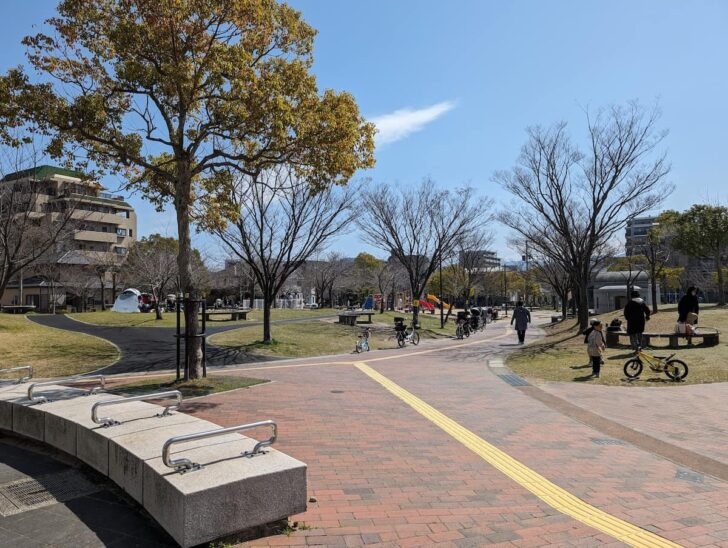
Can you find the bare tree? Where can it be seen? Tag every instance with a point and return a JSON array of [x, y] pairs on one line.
[[418, 226], [321, 273], [152, 264], [48, 268], [556, 277], [282, 223], [571, 202], [79, 281], [472, 261]]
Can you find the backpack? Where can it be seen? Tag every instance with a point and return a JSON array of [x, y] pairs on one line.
[[586, 333]]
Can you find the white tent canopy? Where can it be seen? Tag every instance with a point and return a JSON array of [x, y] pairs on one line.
[[127, 302]]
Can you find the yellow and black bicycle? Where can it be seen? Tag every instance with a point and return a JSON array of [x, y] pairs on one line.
[[675, 369]]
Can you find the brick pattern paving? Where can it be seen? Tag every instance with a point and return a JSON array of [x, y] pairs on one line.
[[693, 416], [384, 475]]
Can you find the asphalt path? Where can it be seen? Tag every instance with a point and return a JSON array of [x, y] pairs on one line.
[[154, 348]]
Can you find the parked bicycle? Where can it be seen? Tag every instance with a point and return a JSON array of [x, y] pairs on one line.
[[405, 334], [362, 343], [462, 325], [675, 369]]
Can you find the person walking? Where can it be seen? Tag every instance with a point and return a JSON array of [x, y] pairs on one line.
[[637, 313], [522, 317], [596, 346], [687, 311]]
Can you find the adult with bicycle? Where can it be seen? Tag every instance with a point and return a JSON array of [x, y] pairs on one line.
[[637, 314], [521, 317]]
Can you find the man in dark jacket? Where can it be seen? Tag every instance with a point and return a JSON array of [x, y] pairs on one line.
[[637, 314]]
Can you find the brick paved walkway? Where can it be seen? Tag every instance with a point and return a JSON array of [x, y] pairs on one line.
[[692, 416], [383, 474]]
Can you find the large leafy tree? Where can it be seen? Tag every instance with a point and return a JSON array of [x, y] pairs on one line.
[[702, 232], [173, 91]]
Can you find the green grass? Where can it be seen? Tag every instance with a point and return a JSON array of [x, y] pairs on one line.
[[297, 340], [321, 337], [430, 324], [561, 355], [51, 352], [212, 384], [169, 319]]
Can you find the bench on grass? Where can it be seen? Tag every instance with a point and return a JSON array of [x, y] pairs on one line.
[[235, 315], [708, 335], [199, 481], [351, 318]]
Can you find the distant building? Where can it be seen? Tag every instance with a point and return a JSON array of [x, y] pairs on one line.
[[635, 233], [610, 290], [482, 259], [105, 228]]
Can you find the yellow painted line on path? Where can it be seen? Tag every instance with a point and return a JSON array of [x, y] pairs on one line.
[[550, 493]]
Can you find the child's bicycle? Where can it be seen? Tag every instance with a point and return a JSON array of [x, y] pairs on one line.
[[408, 335], [362, 344], [675, 369]]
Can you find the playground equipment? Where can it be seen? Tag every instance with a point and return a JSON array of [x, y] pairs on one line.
[[435, 300], [427, 306]]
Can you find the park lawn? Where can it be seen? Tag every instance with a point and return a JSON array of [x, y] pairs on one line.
[[292, 314], [430, 323], [301, 339], [212, 384], [320, 337], [51, 352], [561, 354], [169, 319]]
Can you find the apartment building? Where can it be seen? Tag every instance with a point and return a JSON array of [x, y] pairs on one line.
[[104, 227], [635, 233]]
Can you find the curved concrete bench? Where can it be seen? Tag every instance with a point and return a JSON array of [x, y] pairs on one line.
[[228, 494]]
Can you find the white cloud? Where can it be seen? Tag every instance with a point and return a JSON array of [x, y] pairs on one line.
[[403, 122]]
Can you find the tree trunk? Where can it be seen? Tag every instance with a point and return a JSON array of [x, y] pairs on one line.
[[564, 305], [184, 265], [721, 281], [103, 287], [653, 290], [158, 310], [415, 309], [267, 337], [583, 309]]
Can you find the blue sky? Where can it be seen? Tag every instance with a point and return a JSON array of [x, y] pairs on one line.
[[453, 85]]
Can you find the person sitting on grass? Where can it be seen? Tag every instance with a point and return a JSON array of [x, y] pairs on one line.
[[595, 348], [637, 314]]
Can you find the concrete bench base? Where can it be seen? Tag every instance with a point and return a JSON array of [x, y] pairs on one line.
[[229, 494], [708, 339]]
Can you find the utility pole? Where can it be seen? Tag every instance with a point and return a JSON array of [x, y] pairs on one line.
[[442, 312]]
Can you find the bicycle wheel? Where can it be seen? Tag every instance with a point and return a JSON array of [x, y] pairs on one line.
[[677, 370], [415, 338], [459, 332], [357, 348], [466, 331], [400, 339], [633, 368]]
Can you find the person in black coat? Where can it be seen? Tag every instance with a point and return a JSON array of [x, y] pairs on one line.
[[637, 314], [688, 303]]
